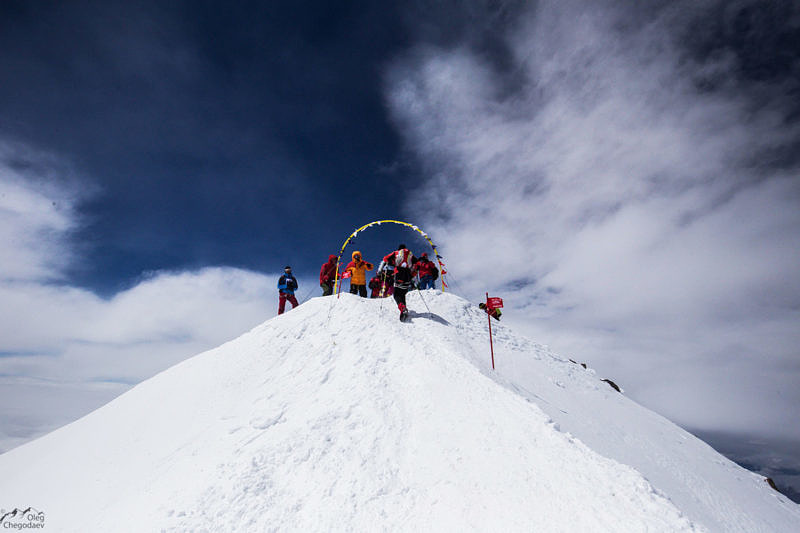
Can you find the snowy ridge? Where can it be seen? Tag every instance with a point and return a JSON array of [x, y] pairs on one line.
[[336, 416]]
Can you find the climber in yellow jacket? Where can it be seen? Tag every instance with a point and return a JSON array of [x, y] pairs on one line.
[[358, 277]]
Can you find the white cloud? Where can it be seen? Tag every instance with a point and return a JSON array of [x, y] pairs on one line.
[[627, 216], [136, 333], [34, 216], [64, 350]]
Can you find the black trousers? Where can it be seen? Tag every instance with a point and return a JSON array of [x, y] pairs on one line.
[[327, 289], [361, 290], [400, 297]]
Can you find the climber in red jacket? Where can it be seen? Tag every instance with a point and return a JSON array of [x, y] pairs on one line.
[[427, 272], [403, 261], [327, 275]]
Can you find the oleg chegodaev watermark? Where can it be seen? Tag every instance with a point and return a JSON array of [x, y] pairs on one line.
[[20, 519]]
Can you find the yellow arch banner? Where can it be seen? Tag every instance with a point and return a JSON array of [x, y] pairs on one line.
[[442, 270]]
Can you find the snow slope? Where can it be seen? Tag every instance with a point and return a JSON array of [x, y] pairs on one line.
[[337, 417]]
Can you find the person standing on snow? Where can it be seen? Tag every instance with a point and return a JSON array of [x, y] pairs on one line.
[[327, 275], [375, 286], [427, 272], [403, 261], [387, 282], [358, 276], [381, 284], [287, 284], [494, 313]]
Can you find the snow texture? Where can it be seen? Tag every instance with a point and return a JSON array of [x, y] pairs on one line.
[[338, 417]]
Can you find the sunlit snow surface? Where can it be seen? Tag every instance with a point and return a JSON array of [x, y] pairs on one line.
[[338, 417]]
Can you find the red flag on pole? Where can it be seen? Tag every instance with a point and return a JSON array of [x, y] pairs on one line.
[[345, 274], [493, 303]]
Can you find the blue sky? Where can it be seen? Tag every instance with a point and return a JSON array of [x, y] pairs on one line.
[[624, 174], [203, 132]]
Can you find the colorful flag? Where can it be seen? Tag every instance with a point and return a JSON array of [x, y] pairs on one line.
[[494, 303]]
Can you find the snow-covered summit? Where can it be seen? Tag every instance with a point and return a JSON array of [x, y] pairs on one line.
[[337, 416]]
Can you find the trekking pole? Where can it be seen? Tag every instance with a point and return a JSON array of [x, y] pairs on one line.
[[426, 303], [305, 298], [383, 283]]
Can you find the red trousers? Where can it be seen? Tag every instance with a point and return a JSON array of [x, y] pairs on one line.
[[282, 302]]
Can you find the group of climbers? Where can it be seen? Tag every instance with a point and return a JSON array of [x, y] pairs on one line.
[[394, 277]]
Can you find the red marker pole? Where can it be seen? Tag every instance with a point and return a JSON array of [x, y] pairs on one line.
[[489, 318], [341, 281]]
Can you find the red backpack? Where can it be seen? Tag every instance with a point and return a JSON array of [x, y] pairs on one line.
[[403, 258]]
